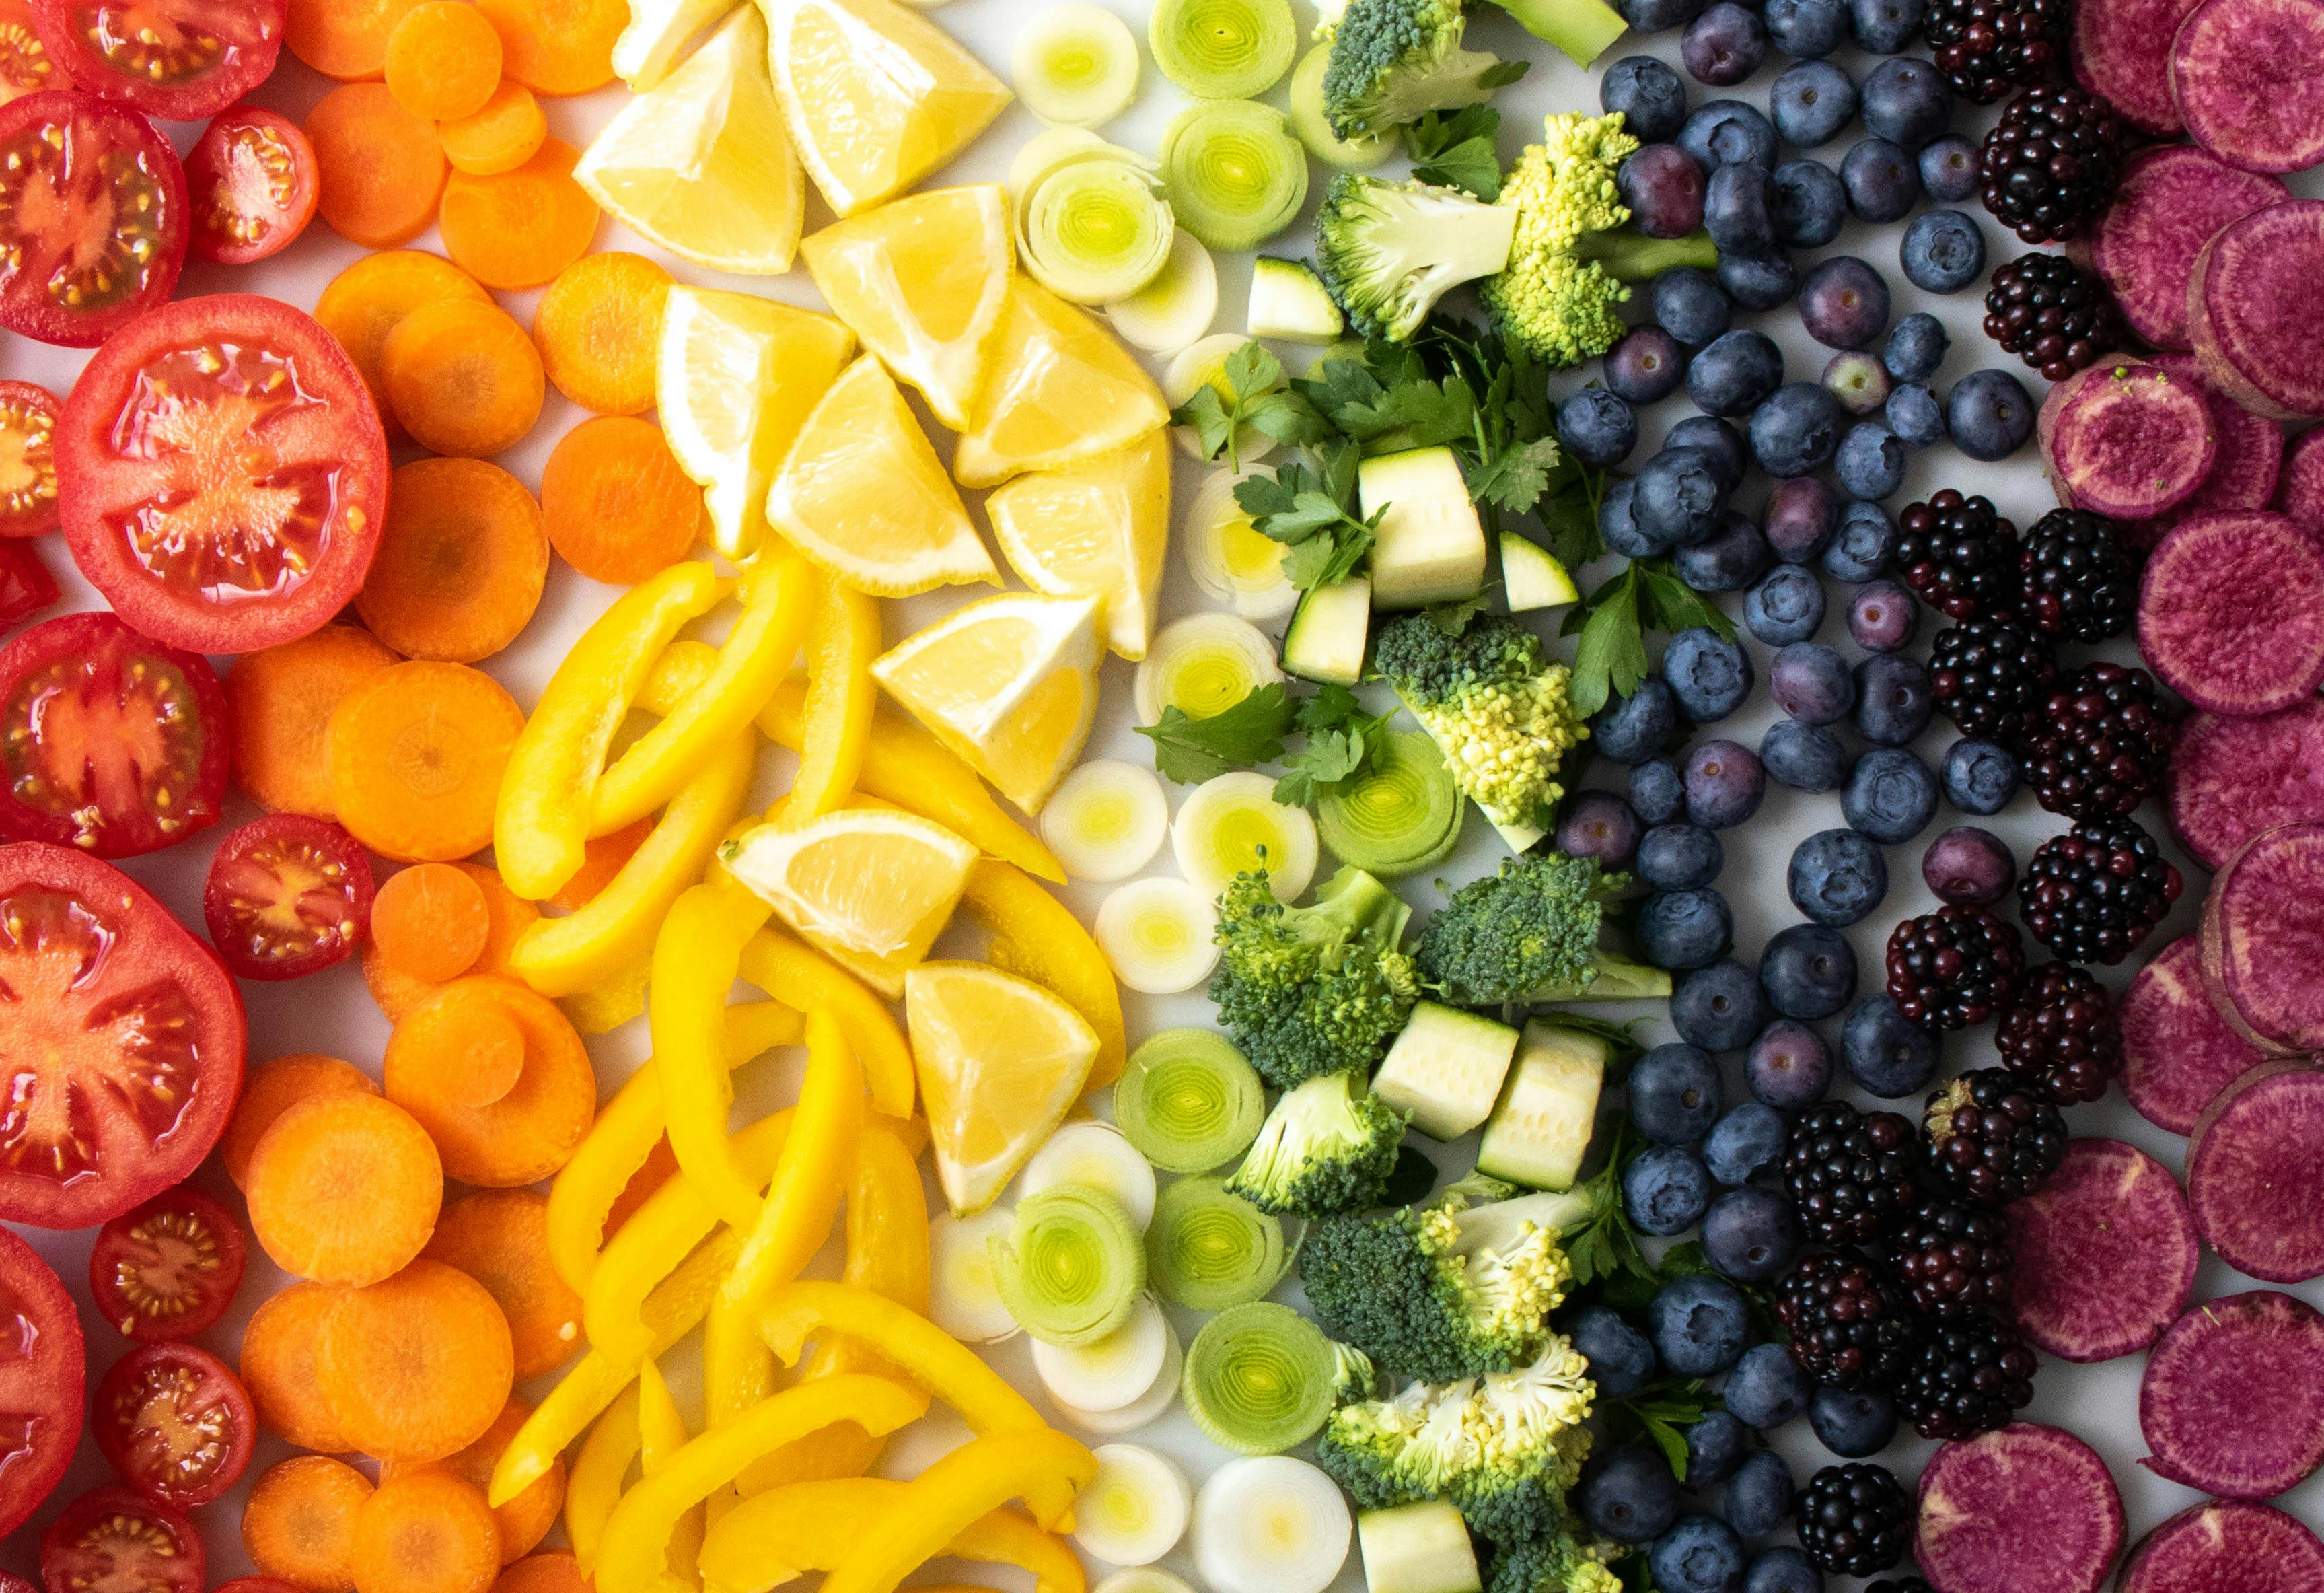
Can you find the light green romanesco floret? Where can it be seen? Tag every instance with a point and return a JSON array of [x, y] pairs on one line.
[[1504, 742]]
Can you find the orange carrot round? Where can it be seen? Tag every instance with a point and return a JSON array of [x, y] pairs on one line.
[[343, 1189], [416, 755], [500, 138], [271, 1089], [343, 38], [519, 227], [299, 1523], [443, 61], [426, 1531], [461, 562], [279, 1354], [598, 328], [558, 46], [524, 1520], [462, 1047], [616, 504], [416, 1366], [379, 167], [436, 922], [528, 1132], [556, 1571], [463, 377], [508, 915], [281, 700], [500, 1238], [365, 302]]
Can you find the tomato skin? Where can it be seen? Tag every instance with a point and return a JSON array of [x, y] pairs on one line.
[[180, 1239], [26, 587], [243, 905], [210, 1424], [252, 182], [43, 1379], [28, 444], [26, 67], [101, 1538], [247, 36], [39, 132], [84, 951], [109, 741]]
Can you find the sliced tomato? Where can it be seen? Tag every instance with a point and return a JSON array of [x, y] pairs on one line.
[[121, 1042], [117, 1541], [223, 474], [176, 1423], [252, 182], [26, 65], [287, 896], [28, 460], [41, 1373], [240, 1585], [168, 1269], [92, 217], [109, 741], [26, 587], [182, 61]]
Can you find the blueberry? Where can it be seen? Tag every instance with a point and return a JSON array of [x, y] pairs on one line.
[[1803, 758], [1884, 27], [1807, 30], [1943, 252], [1596, 427], [1881, 180], [1914, 415], [1980, 778], [1786, 605], [1948, 168], [1767, 1388], [1965, 864], [1709, 676], [1813, 100], [1882, 616], [1727, 561], [1724, 784], [1630, 1496], [1649, 95], [1724, 45], [1680, 856], [1658, 16], [1718, 437], [1675, 1094], [1682, 495], [1843, 302], [1735, 209], [1637, 726], [1729, 131], [1735, 374], [1865, 543], [1748, 1140], [1664, 188], [1810, 206], [1715, 1445], [1858, 381], [1700, 1325], [1891, 795], [1617, 526], [1621, 1358], [1759, 282], [1989, 415], [1904, 100], [1758, 1496], [1916, 348], [1645, 367], [1750, 1234], [1885, 1052], [1892, 698], [1789, 1066], [1795, 431], [1784, 1569], [1657, 793], [1802, 516], [1871, 464], [1665, 1189], [1809, 971], [1718, 1008], [1698, 1555], [1678, 930], [1837, 877], [1599, 824], [1691, 306], [1811, 683], [1853, 1425]]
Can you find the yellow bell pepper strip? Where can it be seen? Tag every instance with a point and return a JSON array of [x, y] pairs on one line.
[[952, 1495], [776, 593], [1036, 937], [797, 975], [543, 818], [593, 1484], [633, 1555], [606, 1005], [842, 641], [661, 1432], [738, 1369], [817, 1163], [781, 1536], [695, 959]]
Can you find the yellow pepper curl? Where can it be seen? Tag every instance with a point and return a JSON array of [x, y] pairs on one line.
[[695, 959], [1036, 937], [797, 974], [780, 1536], [951, 1496], [842, 641], [593, 1484], [662, 1435]]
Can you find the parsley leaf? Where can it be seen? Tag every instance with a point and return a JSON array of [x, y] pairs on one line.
[[1516, 479], [1612, 656], [1312, 510], [1341, 738], [1190, 751], [1456, 149], [1569, 512], [1661, 1413], [1254, 395]]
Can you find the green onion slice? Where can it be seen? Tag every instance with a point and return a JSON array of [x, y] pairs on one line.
[[1258, 1379], [1075, 65], [1235, 175], [1207, 1249], [1401, 815], [1223, 49], [1070, 1266], [1189, 1101]]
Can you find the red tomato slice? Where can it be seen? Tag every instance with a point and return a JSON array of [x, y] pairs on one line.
[[287, 896], [121, 1042], [175, 1423], [252, 182], [223, 474], [117, 1541], [26, 67], [234, 1585], [168, 1269], [182, 61], [28, 460], [26, 587], [42, 1378], [92, 217], [108, 741]]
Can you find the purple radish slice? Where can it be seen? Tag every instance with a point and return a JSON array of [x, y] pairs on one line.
[[2029, 1509], [2122, 52], [2254, 316], [2234, 1546], [2247, 77], [2178, 1053], [2253, 1180], [2263, 940], [2299, 488], [2136, 442], [2105, 1252], [2231, 779], [2233, 1399], [2251, 446], [2231, 612], [2171, 202]]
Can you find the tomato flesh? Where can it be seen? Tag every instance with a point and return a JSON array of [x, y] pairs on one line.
[[28, 460], [175, 1423], [287, 896], [117, 1541], [42, 1374], [224, 475], [182, 61], [253, 182], [26, 65], [108, 742], [121, 1042], [92, 217], [26, 587], [168, 1269]]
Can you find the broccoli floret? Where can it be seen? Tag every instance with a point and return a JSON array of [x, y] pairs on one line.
[[1308, 991], [1388, 251], [1392, 62], [1327, 1147], [1558, 1563], [1528, 933], [1415, 1445], [1354, 1377]]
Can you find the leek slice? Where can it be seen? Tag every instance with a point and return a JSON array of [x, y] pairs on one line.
[[1075, 65], [1046, 150], [1232, 824], [1189, 1101], [1235, 175], [1360, 153], [1260, 1378], [1106, 821], [1223, 49], [1158, 935], [1093, 226], [1116, 1372], [1401, 815], [1136, 1508], [963, 1294], [1149, 1407], [1142, 1578], [1177, 306], [1230, 560], [1206, 364], [1271, 1525], [1070, 1266], [1096, 1156], [1202, 665], [1207, 1249]]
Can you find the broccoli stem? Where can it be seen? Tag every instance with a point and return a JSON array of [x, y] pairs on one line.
[[1629, 255], [1613, 978], [1583, 29]]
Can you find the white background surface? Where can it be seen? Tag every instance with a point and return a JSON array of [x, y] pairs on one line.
[[333, 1013]]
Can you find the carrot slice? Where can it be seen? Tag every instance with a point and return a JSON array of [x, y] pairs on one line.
[[462, 1046], [500, 137], [617, 504], [270, 1088], [379, 169], [524, 1520], [461, 561], [366, 302], [558, 46], [343, 1189], [435, 921], [603, 857], [278, 1351], [416, 1366], [598, 328], [658, 1169], [416, 754], [281, 700], [526, 1134], [519, 228], [463, 377], [343, 38], [426, 1531], [299, 1523], [553, 1572], [500, 1238], [443, 61], [508, 916]]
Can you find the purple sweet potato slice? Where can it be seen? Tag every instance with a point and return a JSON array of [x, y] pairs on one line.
[[2233, 778], [2178, 1053], [2254, 1177], [2254, 316], [2122, 50], [2171, 202], [2029, 1509], [2105, 1252], [2136, 442], [2263, 940], [2247, 77], [2299, 487], [2232, 1546], [2231, 612], [2251, 446], [2233, 1399]]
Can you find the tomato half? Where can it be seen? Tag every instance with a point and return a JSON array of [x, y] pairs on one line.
[[121, 1042], [28, 460], [26, 587], [117, 1541], [92, 217], [109, 741], [176, 1423], [287, 896], [253, 181], [181, 61], [42, 1374], [243, 1585], [26, 65], [168, 1269], [223, 474]]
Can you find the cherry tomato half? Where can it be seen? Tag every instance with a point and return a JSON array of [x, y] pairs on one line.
[[181, 61], [176, 1423], [42, 1374], [168, 1269], [253, 182], [28, 460], [121, 1541], [287, 896], [26, 587], [223, 474], [26, 66], [245, 1585], [109, 741], [121, 1043], [92, 217]]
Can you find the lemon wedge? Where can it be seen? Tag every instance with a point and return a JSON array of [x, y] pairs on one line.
[[871, 886], [734, 379], [877, 97], [1098, 529], [1061, 390], [657, 33], [1000, 1061]]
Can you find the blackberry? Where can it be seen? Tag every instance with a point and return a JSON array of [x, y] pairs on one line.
[[2053, 314], [2060, 1035], [1854, 1520], [1959, 554], [1951, 1260], [2094, 893], [1955, 967], [1990, 674], [1991, 1139], [1966, 1378], [1851, 1174], [2101, 743], [1985, 47], [1903, 1585], [2052, 163], [2077, 579], [1850, 1328]]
